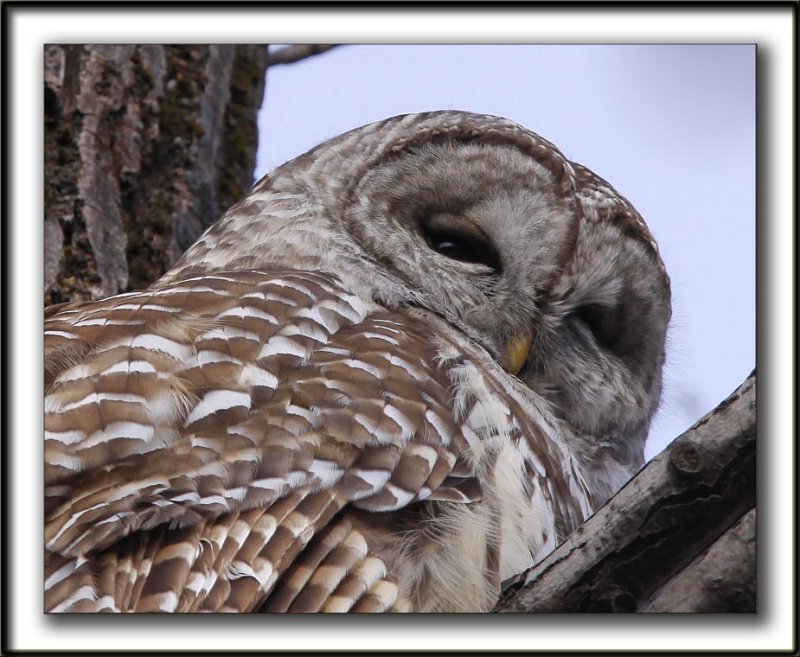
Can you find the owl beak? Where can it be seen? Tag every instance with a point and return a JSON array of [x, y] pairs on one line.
[[517, 350]]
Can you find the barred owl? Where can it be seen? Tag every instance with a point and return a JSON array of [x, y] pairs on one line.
[[402, 369]]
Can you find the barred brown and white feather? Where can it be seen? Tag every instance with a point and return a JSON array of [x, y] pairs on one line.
[[317, 408]]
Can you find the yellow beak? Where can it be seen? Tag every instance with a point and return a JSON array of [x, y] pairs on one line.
[[517, 351]]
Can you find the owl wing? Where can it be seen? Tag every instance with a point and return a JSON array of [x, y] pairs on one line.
[[200, 435]]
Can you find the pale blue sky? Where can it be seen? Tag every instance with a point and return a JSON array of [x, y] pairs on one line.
[[671, 127]]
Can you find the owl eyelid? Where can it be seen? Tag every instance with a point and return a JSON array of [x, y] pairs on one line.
[[605, 323], [460, 239]]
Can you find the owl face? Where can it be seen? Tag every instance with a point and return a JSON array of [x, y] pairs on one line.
[[487, 225], [476, 231], [563, 295]]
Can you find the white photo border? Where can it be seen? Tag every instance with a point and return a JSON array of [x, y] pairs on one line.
[[28, 27]]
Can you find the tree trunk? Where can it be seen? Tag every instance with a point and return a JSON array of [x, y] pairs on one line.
[[145, 146]]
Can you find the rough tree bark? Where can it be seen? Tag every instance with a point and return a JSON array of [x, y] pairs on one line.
[[145, 146]]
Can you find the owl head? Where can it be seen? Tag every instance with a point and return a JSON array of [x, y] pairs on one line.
[[486, 225]]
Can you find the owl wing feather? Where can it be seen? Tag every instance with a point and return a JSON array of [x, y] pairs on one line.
[[233, 416]]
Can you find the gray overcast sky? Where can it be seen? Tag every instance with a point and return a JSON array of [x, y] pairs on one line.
[[671, 127]]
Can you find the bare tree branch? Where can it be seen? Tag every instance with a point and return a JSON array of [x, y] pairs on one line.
[[680, 536], [295, 53], [722, 578]]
